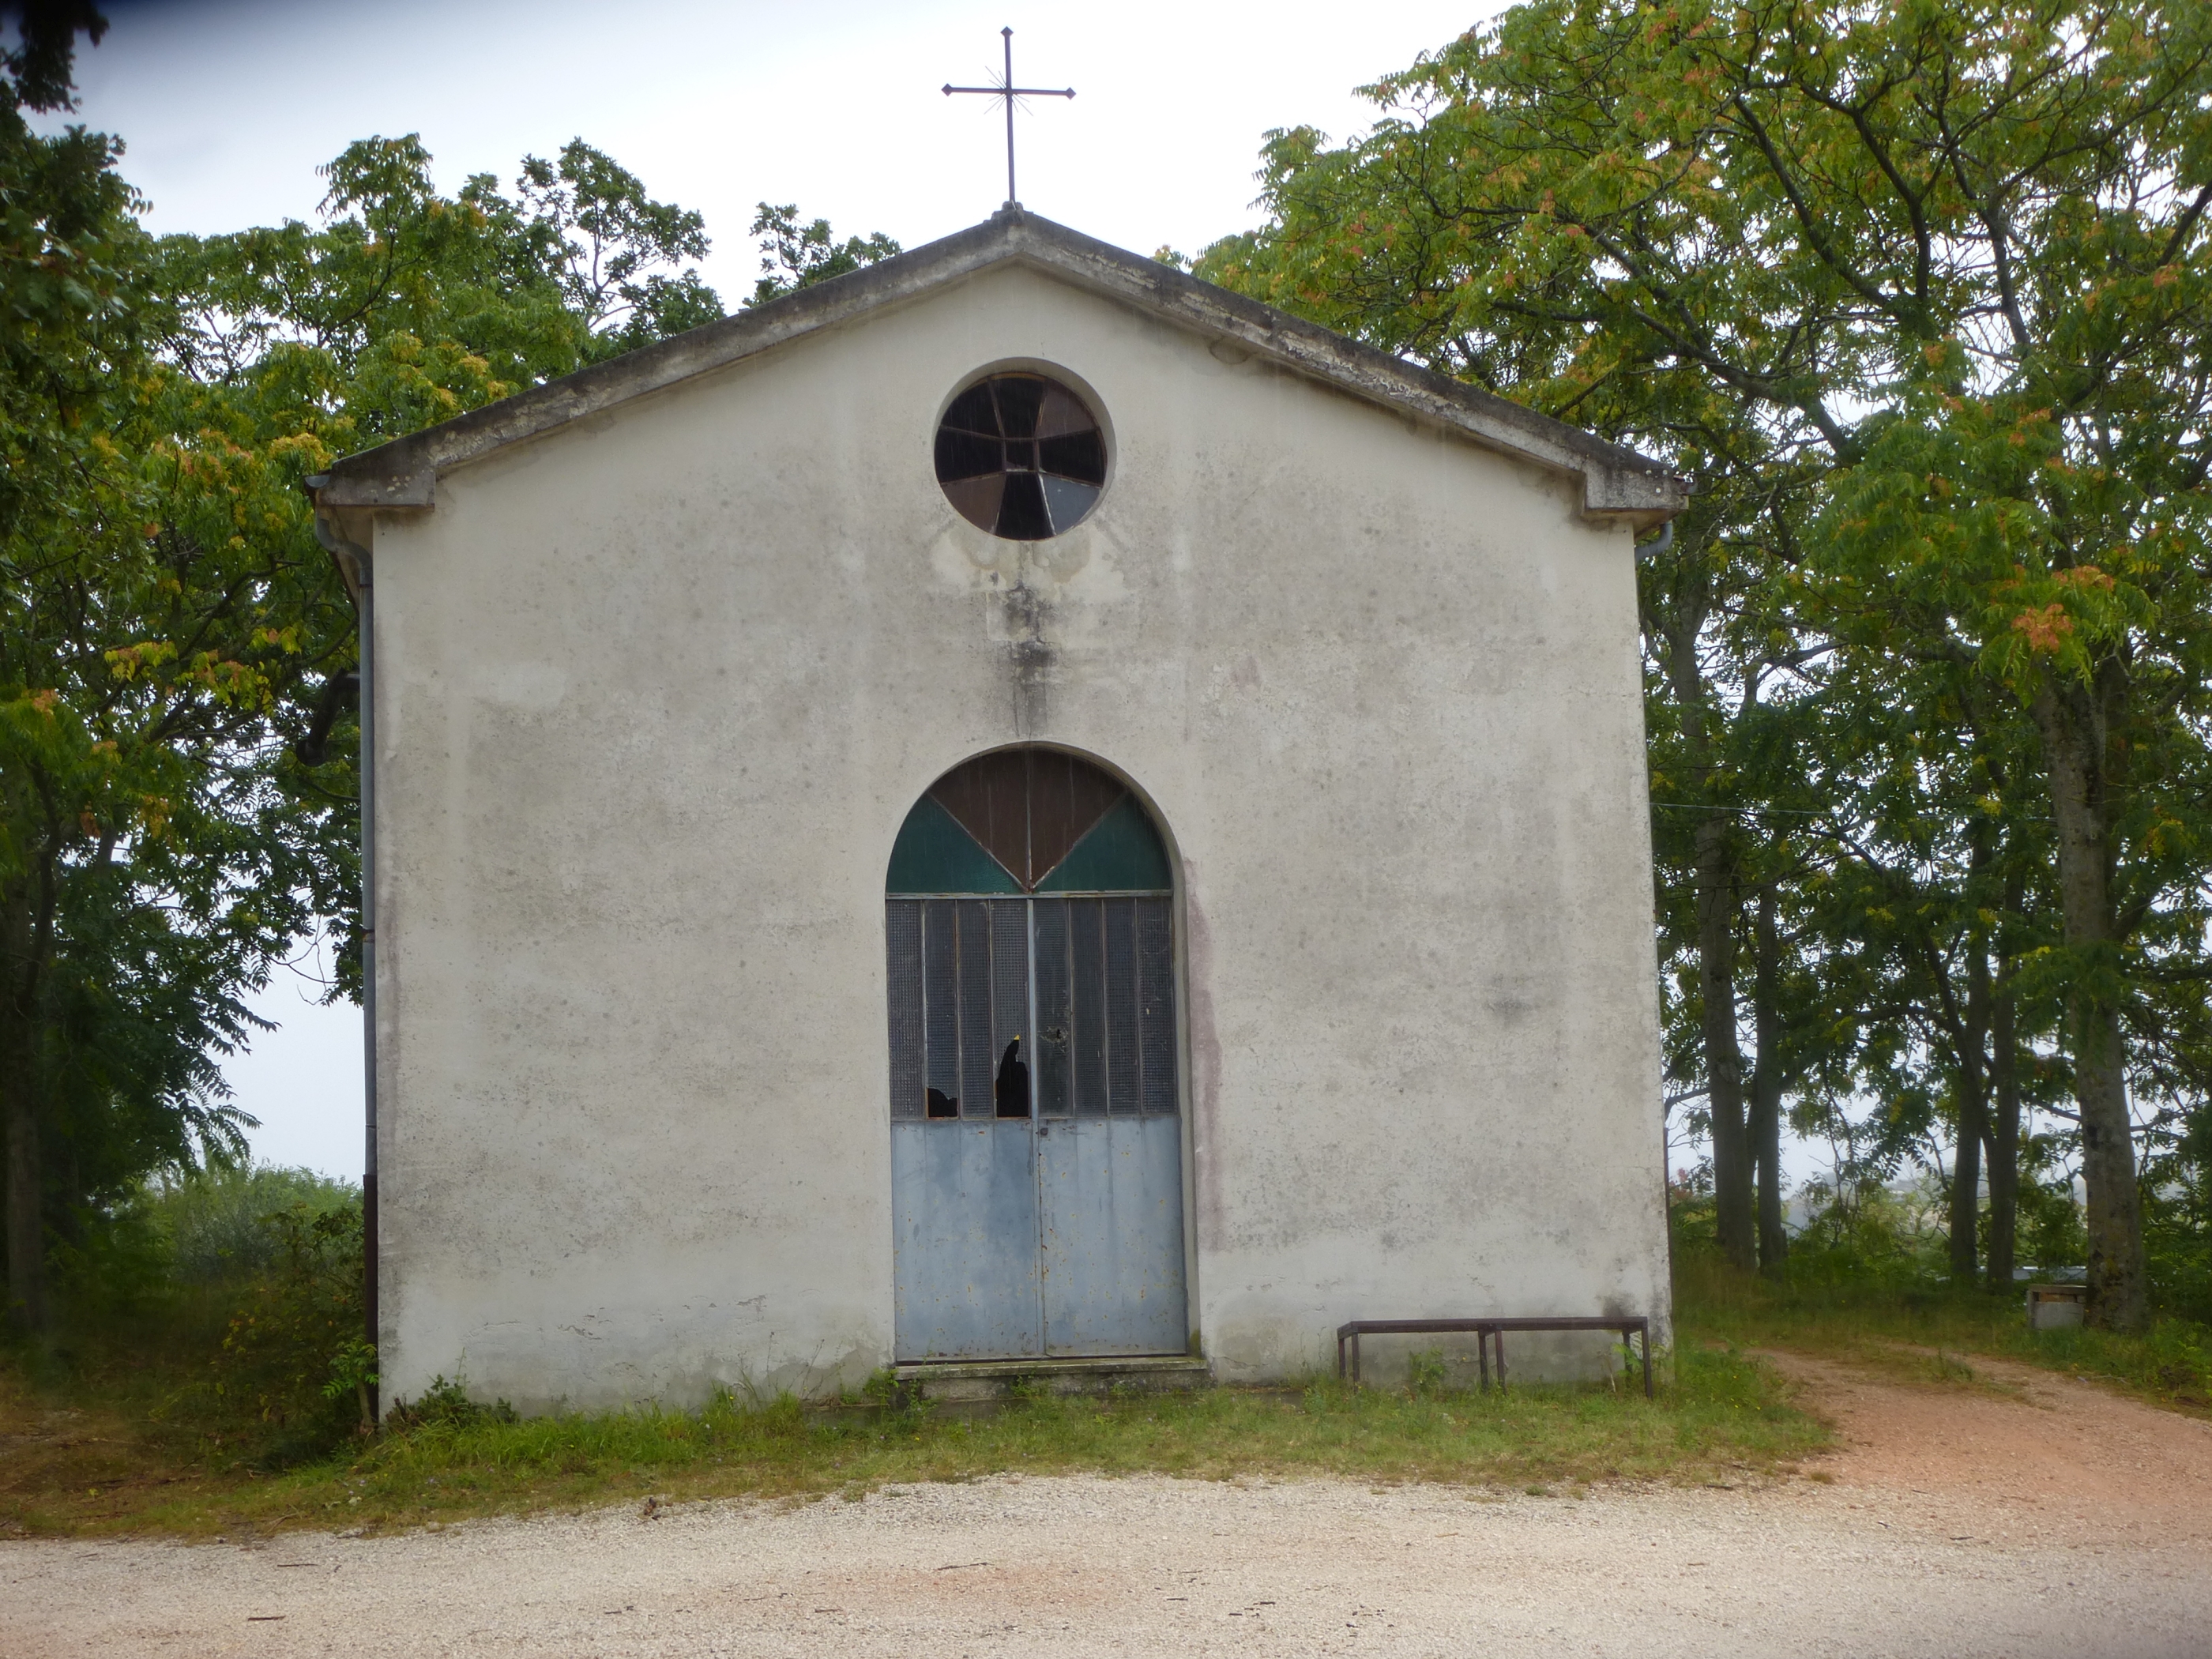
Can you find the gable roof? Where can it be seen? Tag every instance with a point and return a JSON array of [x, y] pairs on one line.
[[1616, 483]]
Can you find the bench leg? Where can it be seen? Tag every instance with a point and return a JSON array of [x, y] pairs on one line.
[[1482, 1356], [1646, 1345]]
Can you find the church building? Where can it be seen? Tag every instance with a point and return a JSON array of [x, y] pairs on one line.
[[1012, 809]]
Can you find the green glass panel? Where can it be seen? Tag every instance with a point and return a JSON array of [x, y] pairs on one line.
[[1121, 854], [934, 854]]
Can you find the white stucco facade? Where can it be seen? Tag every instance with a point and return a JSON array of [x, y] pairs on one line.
[[655, 685]]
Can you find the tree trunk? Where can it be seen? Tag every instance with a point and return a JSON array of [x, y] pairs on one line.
[[2001, 1134], [1973, 1117], [19, 1106], [1732, 1174], [2003, 1143], [1714, 866], [2075, 727], [1765, 1116]]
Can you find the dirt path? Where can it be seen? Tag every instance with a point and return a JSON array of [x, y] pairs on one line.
[[2050, 1459], [1958, 1523]]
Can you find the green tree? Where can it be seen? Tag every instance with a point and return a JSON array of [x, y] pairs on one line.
[[73, 806], [406, 307], [1727, 692], [603, 237], [169, 625], [795, 256], [1936, 874], [1950, 263], [155, 862]]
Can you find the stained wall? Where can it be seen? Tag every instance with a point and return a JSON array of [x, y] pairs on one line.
[[654, 692]]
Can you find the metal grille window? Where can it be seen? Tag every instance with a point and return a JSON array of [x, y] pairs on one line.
[[1031, 966], [1021, 456]]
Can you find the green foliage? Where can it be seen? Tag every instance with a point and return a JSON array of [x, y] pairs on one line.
[[113, 1267], [38, 56], [2178, 1221], [1425, 1372], [213, 1222], [602, 238], [291, 1374], [168, 622], [796, 256], [403, 307], [446, 1405], [2051, 1234], [1722, 1414], [1920, 1327], [151, 618], [1867, 1233], [1863, 1233], [1919, 297]]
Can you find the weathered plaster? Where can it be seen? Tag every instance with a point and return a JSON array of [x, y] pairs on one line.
[[655, 689]]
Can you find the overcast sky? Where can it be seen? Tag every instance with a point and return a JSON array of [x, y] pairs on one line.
[[228, 109]]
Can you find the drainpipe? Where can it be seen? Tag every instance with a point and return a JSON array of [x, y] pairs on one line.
[[342, 552], [1651, 549]]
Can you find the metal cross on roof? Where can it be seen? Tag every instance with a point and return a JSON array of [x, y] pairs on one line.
[[1008, 91]]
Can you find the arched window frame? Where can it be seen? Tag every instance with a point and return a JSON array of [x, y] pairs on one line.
[[1029, 922]]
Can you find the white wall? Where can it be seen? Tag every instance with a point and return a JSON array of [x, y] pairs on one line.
[[654, 693]]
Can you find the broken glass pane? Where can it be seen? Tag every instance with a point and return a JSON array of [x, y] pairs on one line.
[[1011, 1091]]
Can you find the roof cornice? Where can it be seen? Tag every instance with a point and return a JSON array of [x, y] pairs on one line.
[[1618, 483]]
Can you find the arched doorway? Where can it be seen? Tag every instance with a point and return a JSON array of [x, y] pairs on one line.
[[1036, 1146]]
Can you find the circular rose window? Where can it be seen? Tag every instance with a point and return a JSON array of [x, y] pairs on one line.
[[1021, 456]]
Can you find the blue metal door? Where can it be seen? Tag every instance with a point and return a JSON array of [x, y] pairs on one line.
[[1036, 1141], [964, 1207], [1110, 1216]]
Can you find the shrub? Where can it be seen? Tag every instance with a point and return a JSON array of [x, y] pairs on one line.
[[214, 1221], [1427, 1376], [117, 1264], [292, 1375], [446, 1405]]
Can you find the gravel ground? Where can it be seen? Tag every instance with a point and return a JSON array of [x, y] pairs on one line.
[[1958, 1523]]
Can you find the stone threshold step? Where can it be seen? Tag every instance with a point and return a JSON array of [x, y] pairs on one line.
[[996, 1379]]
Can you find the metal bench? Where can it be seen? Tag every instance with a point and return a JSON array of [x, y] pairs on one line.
[[1489, 1331]]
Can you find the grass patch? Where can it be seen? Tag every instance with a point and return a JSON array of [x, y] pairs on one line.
[[83, 1467], [204, 1384], [1931, 1332]]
